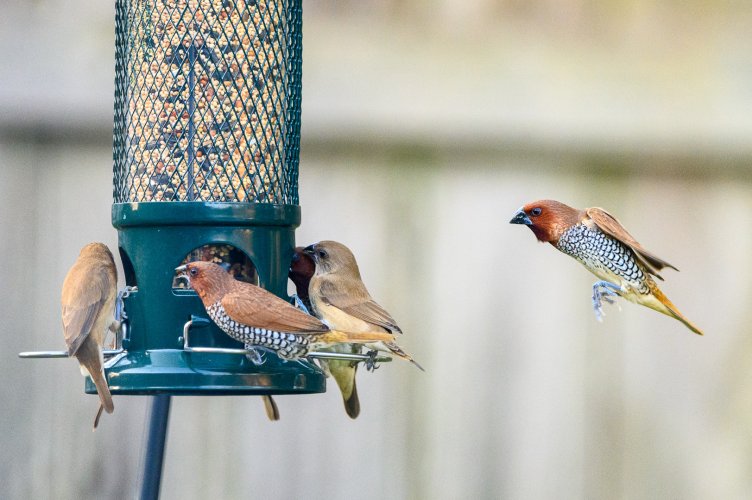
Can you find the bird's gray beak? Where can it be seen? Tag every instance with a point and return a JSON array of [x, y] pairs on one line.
[[309, 250], [521, 218], [181, 269]]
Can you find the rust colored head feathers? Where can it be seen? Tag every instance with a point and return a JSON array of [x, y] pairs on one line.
[[547, 219], [301, 271]]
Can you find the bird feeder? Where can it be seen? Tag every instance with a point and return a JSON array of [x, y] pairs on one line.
[[205, 152], [206, 141]]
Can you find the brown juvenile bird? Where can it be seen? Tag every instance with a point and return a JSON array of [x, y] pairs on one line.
[[600, 243], [256, 317], [88, 308], [302, 269], [340, 298]]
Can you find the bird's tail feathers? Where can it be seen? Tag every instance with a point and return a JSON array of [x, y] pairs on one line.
[[400, 353], [393, 348], [352, 403], [270, 406], [104, 391], [336, 336], [343, 372], [670, 309], [96, 418], [91, 361]]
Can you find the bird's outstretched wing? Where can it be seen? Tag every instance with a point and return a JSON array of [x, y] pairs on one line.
[[612, 227], [258, 308], [81, 301], [359, 305]]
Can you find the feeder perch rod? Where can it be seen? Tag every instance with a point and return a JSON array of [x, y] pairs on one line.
[[122, 333]]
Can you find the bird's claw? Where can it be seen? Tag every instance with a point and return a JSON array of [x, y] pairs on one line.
[[603, 291], [371, 361], [120, 314], [254, 355], [299, 303]]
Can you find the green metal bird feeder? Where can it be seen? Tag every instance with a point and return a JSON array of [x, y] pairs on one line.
[[206, 142]]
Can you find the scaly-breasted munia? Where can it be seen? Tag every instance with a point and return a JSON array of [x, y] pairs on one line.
[[88, 308], [340, 298], [599, 242], [302, 269], [256, 317]]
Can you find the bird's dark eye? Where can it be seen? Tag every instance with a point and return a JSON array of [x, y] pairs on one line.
[[536, 211], [322, 254], [193, 271]]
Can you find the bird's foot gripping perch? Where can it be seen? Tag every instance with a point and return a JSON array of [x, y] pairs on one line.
[[254, 355], [120, 314], [371, 361], [603, 291]]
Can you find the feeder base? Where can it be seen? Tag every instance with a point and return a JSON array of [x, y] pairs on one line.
[[176, 372]]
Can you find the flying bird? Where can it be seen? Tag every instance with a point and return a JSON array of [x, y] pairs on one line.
[[599, 242], [302, 269], [88, 309], [256, 317], [340, 298]]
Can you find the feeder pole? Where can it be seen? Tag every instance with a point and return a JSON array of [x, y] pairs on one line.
[[155, 446]]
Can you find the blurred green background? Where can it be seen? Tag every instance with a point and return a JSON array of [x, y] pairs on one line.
[[425, 126]]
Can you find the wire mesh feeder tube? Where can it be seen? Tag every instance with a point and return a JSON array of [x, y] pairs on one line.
[[205, 155], [207, 100]]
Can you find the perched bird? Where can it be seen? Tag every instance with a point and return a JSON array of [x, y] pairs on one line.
[[340, 298], [256, 317], [600, 243], [88, 308], [255, 357], [302, 269]]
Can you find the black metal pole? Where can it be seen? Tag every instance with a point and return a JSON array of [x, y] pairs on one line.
[[155, 446]]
